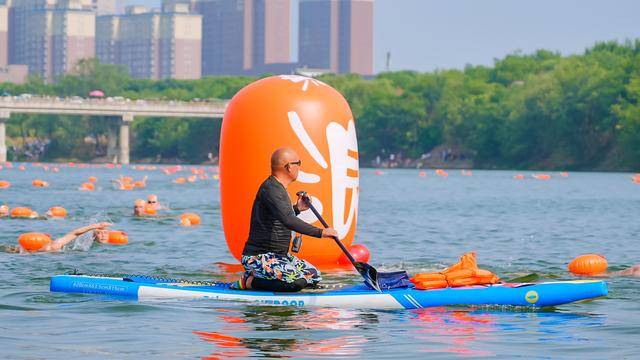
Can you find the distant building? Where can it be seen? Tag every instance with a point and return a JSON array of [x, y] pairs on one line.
[[245, 36], [105, 7], [51, 36], [152, 44], [336, 35], [4, 35]]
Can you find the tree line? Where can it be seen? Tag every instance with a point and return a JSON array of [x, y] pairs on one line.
[[538, 111]]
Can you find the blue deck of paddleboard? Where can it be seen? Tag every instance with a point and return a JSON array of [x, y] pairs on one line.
[[539, 295]]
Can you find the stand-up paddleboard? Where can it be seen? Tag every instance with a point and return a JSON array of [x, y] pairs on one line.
[[358, 296]]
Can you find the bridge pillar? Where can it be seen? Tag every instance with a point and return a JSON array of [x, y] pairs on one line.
[[127, 119], [4, 117], [112, 142]]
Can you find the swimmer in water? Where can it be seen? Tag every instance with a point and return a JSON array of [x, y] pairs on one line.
[[632, 271], [152, 202], [100, 234], [138, 207], [4, 211]]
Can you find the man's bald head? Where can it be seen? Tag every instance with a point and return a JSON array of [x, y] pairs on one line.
[[281, 157]]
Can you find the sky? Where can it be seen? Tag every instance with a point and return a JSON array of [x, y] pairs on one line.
[[425, 35]]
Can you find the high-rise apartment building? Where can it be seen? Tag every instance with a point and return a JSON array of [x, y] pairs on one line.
[[51, 36], [336, 35], [4, 35], [244, 36], [152, 44]]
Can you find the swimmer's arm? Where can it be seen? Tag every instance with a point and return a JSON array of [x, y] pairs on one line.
[[59, 243]]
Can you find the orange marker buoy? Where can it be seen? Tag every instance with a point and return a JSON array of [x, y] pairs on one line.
[[57, 212], [34, 241], [23, 212], [118, 237], [4, 184], [588, 264], [315, 120], [189, 219]]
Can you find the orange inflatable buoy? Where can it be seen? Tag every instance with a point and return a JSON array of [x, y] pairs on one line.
[[118, 237], [23, 212], [87, 187], [57, 212], [442, 173], [588, 264], [34, 241], [315, 120], [93, 179], [541, 176], [39, 183], [4, 184], [189, 219], [150, 210]]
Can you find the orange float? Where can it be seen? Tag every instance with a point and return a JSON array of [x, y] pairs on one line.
[[588, 264], [189, 219], [87, 187], [93, 179], [442, 173], [34, 241], [39, 183], [23, 212], [541, 176], [315, 120], [118, 237], [150, 210], [57, 212], [4, 184]]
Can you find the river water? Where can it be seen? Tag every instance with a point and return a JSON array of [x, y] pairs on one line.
[[408, 222]]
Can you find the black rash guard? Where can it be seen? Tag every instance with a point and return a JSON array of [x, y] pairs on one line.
[[272, 220]]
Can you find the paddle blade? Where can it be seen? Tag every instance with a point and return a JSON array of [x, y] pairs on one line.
[[370, 275]]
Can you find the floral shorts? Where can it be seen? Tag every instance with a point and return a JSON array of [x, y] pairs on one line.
[[288, 268]]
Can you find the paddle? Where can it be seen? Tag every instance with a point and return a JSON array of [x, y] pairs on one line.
[[368, 272]]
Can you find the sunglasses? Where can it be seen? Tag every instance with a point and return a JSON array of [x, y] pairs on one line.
[[151, 202], [299, 162]]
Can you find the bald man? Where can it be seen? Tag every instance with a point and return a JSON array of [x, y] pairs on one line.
[[266, 259]]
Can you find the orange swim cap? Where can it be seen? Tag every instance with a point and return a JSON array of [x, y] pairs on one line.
[[34, 241]]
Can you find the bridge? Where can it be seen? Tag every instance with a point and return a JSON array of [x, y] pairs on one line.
[[125, 110]]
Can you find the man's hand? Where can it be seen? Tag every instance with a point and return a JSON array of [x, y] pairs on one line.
[[301, 204], [329, 233]]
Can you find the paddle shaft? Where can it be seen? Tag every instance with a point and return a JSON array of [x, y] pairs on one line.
[[335, 238]]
